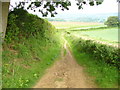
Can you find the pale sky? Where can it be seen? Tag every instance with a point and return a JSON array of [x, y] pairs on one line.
[[108, 6]]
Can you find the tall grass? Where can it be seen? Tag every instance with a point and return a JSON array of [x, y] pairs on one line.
[[24, 63]]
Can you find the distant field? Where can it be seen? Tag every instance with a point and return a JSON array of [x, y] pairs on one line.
[[65, 25], [110, 34]]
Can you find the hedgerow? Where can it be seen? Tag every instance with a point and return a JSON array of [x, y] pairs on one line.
[[107, 54], [21, 24]]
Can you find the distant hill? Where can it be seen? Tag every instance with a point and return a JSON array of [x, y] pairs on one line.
[[82, 17], [55, 19]]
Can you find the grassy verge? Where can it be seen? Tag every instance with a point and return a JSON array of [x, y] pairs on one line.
[[30, 47], [105, 76], [24, 63]]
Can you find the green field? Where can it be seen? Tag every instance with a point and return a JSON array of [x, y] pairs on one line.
[[110, 34], [92, 30]]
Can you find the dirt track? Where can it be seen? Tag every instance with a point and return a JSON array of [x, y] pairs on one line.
[[65, 73]]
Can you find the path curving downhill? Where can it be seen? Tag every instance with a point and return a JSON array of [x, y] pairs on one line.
[[65, 73]]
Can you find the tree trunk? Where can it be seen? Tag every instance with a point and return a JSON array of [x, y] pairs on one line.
[[4, 9]]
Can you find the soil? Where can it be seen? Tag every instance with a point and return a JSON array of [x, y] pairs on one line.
[[65, 73]]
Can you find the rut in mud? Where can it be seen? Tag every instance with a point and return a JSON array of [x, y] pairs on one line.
[[65, 73]]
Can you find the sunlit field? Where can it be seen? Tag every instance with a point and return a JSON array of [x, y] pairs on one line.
[[110, 34], [91, 30], [66, 25]]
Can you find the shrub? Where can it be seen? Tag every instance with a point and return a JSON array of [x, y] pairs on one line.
[[12, 29], [99, 51], [112, 21], [21, 24]]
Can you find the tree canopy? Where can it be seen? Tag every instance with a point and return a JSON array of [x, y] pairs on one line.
[[49, 6], [112, 21]]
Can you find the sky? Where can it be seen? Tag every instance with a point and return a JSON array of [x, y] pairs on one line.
[[108, 6]]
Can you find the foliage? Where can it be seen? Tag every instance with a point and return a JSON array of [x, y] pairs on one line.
[[22, 24], [105, 75], [24, 63], [101, 52], [30, 47], [13, 32], [91, 28], [51, 5], [112, 21]]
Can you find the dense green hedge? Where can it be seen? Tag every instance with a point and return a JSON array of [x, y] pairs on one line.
[[102, 52], [91, 29], [21, 24]]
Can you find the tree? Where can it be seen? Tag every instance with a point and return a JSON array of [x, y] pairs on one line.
[[49, 6], [112, 21]]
